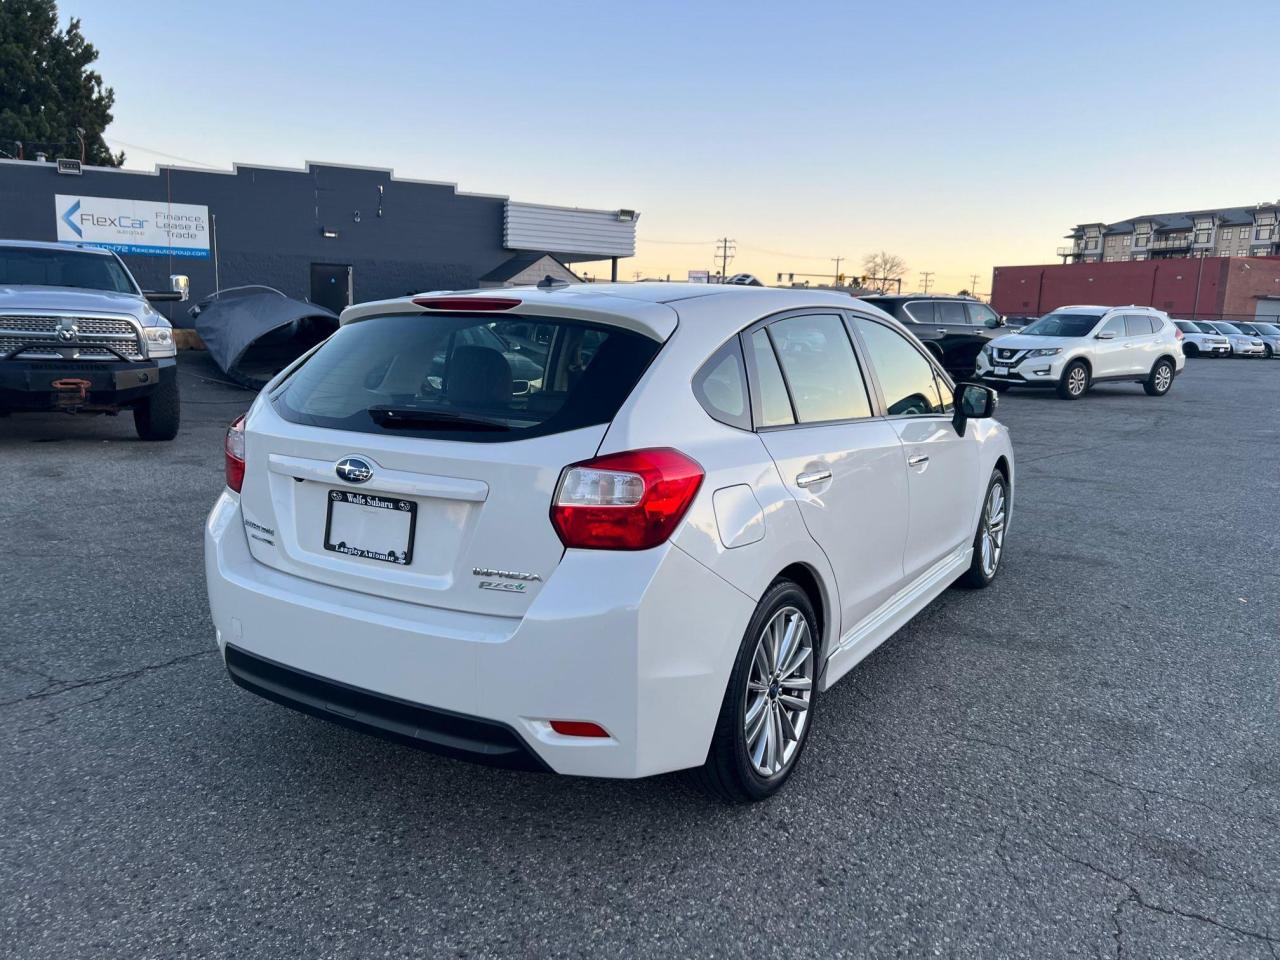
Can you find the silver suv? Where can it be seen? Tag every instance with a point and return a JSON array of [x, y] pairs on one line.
[[1073, 348]]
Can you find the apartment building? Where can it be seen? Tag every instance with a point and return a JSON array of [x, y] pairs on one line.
[[1226, 232]]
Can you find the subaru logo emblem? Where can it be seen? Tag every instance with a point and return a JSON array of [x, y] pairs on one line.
[[353, 470], [68, 330]]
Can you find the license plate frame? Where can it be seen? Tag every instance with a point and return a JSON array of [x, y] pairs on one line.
[[1002, 371], [371, 501]]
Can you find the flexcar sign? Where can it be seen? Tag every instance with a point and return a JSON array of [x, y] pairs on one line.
[[139, 227]]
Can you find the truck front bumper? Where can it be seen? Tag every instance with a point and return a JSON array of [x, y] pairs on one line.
[[90, 385]]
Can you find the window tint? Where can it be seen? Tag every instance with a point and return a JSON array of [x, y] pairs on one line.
[[1114, 325], [721, 387], [464, 377], [1137, 324], [906, 377], [773, 406], [951, 311], [921, 311], [820, 367], [1185, 326], [981, 315]]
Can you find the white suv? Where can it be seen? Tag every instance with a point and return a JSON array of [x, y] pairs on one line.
[[601, 530], [1073, 348]]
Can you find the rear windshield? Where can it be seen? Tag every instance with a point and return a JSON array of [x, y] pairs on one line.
[[466, 377], [41, 267], [1062, 325]]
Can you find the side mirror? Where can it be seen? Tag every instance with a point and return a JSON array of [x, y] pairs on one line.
[[179, 290], [1106, 335], [973, 401], [994, 322]]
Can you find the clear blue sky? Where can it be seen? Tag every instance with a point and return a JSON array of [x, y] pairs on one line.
[[957, 135]]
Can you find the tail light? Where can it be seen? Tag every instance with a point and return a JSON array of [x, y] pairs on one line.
[[624, 501], [1177, 333], [234, 450], [578, 728]]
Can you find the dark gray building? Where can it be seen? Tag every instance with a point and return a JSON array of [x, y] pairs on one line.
[[331, 234]]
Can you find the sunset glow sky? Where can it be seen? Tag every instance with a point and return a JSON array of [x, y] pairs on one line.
[[958, 136]]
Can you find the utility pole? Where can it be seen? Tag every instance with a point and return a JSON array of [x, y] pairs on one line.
[[725, 250], [837, 260], [973, 284], [926, 276]]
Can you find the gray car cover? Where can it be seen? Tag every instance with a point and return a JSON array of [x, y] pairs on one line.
[[254, 332]]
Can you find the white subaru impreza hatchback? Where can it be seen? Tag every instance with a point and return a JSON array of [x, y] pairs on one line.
[[607, 530]]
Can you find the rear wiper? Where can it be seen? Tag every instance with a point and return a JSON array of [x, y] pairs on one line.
[[417, 417]]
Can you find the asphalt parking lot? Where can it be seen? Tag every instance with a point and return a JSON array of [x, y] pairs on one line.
[[1082, 760]]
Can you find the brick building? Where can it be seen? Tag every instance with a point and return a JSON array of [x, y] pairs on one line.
[[1243, 288]]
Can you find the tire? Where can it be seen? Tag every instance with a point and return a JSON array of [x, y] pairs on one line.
[[730, 774], [158, 416], [1190, 350], [1161, 378], [1267, 352], [986, 567], [1075, 381]]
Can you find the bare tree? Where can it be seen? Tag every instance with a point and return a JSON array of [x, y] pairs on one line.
[[883, 269]]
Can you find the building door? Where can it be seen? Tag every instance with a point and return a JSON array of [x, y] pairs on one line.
[[331, 285]]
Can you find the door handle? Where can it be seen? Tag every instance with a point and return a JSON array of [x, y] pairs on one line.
[[808, 479], [919, 460]]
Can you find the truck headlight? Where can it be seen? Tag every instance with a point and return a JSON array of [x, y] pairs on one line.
[[160, 342]]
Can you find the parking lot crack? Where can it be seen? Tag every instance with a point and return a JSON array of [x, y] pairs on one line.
[[1135, 895], [60, 687]]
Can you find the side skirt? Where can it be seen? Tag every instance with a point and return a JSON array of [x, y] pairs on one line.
[[893, 615]]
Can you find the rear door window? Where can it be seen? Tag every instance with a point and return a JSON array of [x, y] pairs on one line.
[[1137, 324], [820, 368], [466, 376], [772, 404], [952, 312], [921, 311]]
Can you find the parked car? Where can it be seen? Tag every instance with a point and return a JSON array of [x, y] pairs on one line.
[[954, 329], [576, 576], [1201, 339], [1242, 344], [78, 335], [1268, 333], [1073, 348]]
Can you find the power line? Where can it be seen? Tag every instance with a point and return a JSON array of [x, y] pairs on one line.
[[926, 276], [159, 153], [725, 250]]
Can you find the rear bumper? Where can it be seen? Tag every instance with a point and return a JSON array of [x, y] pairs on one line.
[[640, 643], [441, 731], [28, 385]]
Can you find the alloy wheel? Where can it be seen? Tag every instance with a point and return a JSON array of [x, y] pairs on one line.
[[1164, 377], [779, 692], [1076, 381], [993, 519]]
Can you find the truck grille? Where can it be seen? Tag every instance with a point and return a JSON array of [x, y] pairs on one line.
[[92, 338]]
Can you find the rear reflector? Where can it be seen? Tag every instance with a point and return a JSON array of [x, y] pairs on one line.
[[467, 304], [624, 501], [577, 728], [233, 448]]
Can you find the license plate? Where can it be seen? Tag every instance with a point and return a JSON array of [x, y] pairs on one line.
[[1002, 371], [369, 526]]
